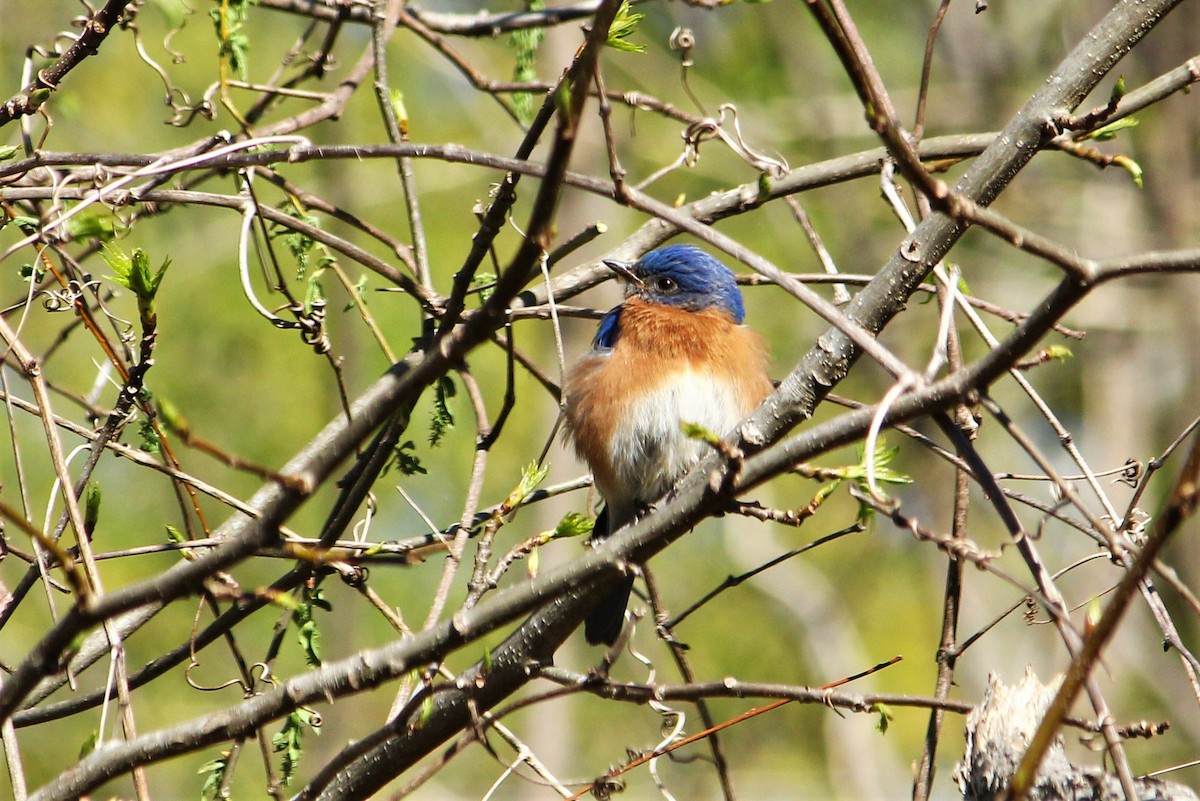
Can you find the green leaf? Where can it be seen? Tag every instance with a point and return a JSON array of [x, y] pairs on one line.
[[299, 244], [28, 272], [1118, 90], [314, 293], [91, 506], [229, 17], [92, 226], [216, 770], [37, 97], [697, 431], [426, 710], [151, 443], [89, 745], [404, 461], [396, 98], [309, 637], [623, 25], [443, 419], [133, 271], [531, 476], [882, 457], [824, 492], [1060, 353], [307, 633], [574, 524], [562, 98], [8, 151], [1132, 167], [1109, 132], [171, 415], [28, 225], [1094, 612], [175, 535], [526, 42], [290, 741], [360, 294], [484, 280], [885, 717]]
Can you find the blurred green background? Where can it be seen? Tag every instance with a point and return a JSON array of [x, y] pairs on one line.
[[261, 394]]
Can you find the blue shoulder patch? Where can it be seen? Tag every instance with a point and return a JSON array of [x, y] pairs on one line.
[[609, 330]]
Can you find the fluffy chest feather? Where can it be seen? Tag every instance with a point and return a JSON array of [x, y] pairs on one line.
[[625, 406]]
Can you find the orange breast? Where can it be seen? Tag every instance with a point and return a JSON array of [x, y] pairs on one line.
[[624, 407]]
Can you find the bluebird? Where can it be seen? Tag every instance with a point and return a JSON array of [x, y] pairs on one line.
[[675, 351]]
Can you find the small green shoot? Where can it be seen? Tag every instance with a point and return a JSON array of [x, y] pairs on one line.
[[216, 770], [697, 431], [229, 17], [1059, 353], [359, 292], [885, 717], [396, 99], [299, 244], [92, 226], [573, 524], [314, 293], [133, 272], [304, 616], [624, 25], [405, 461], [1118, 91], [526, 42], [290, 741], [172, 416], [1132, 167], [531, 476], [28, 225], [485, 282], [150, 443], [28, 272], [1109, 132], [443, 418], [91, 506]]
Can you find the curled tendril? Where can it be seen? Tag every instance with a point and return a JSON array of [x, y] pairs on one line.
[[606, 787], [195, 685], [1132, 473], [710, 128], [683, 40], [311, 324], [264, 676], [64, 299]]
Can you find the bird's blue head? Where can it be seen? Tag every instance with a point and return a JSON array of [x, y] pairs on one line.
[[683, 276]]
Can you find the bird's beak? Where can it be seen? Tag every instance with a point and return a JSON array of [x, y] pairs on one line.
[[623, 269]]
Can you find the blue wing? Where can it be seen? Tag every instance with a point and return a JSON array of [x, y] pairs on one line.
[[609, 330]]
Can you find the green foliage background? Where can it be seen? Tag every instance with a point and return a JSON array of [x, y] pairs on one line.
[[260, 393]]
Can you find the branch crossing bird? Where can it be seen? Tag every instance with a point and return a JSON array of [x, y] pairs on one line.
[[675, 351]]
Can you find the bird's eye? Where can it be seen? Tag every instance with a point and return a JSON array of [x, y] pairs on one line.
[[665, 283]]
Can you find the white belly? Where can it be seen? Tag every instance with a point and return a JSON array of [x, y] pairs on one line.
[[650, 452]]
